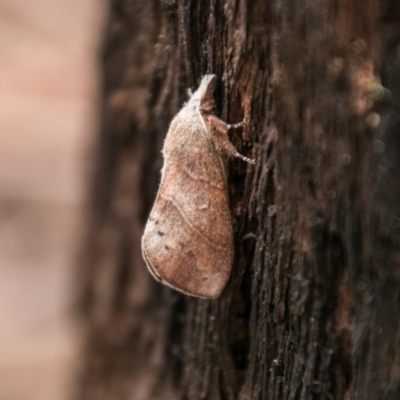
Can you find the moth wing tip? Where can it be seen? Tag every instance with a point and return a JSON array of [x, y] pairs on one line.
[[149, 263]]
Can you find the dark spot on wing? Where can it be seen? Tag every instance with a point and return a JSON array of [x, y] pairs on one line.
[[160, 233], [190, 254], [167, 247]]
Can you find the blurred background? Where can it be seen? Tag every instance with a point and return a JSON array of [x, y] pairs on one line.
[[48, 95]]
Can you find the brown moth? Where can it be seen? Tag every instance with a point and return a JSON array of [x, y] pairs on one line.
[[188, 240]]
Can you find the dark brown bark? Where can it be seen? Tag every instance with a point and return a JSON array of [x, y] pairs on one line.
[[312, 309]]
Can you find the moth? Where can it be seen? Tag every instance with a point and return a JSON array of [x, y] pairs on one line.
[[188, 239]]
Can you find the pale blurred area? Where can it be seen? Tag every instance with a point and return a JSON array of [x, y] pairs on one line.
[[48, 88]]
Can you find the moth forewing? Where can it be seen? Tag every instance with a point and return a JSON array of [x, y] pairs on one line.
[[188, 239]]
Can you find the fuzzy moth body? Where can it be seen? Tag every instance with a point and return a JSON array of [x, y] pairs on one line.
[[188, 239]]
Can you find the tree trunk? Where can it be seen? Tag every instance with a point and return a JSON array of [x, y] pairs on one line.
[[312, 309]]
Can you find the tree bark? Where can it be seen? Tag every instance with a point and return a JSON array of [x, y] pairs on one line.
[[312, 309]]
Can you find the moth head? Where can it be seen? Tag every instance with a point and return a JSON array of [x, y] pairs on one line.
[[203, 97]]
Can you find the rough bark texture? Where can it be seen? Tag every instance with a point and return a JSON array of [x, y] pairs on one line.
[[312, 310]]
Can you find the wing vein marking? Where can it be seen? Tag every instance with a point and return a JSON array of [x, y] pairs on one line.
[[191, 226]]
